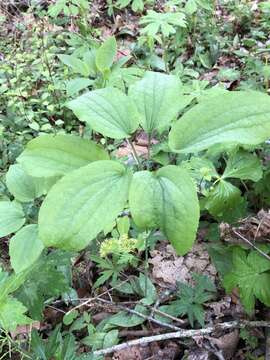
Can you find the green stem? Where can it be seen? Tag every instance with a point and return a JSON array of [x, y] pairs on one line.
[[146, 266]]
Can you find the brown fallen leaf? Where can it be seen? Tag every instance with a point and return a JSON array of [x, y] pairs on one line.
[[227, 343], [169, 268]]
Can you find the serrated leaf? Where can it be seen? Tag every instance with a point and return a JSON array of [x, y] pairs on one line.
[[46, 280], [243, 165], [82, 203], [106, 53], [12, 217], [158, 99], [224, 202], [12, 314], [108, 111], [249, 273], [77, 65], [200, 168], [240, 117], [167, 200], [49, 155], [24, 187], [25, 248], [70, 316]]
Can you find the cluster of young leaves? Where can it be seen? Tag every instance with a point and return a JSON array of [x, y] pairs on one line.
[[31, 90], [68, 8], [161, 24], [98, 68], [223, 199], [57, 347], [136, 5], [191, 299]]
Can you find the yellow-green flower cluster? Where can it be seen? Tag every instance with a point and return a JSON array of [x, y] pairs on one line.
[[122, 245]]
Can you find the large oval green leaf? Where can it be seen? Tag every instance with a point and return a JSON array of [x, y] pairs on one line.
[[108, 111], [82, 204], [24, 187], [50, 155], [25, 248], [158, 98], [235, 117], [167, 200], [11, 217]]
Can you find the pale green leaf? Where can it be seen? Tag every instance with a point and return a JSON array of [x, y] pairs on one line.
[[167, 200], [191, 7], [243, 165], [50, 155], [75, 85], [106, 53], [224, 202], [12, 314], [25, 248], [77, 65], [82, 204], [12, 217], [108, 111], [235, 117], [24, 187], [158, 99]]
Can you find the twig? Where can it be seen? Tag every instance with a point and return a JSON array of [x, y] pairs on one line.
[[183, 334], [96, 297], [140, 333], [252, 245], [134, 312], [180, 321]]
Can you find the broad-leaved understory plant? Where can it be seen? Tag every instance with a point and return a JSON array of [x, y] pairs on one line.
[[90, 190], [86, 190]]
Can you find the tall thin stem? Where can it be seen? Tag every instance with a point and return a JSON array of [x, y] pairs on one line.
[[148, 150], [134, 152]]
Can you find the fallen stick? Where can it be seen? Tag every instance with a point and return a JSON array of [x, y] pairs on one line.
[[134, 312], [183, 334]]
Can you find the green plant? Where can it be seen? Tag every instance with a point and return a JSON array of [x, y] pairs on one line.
[[93, 189], [98, 68], [68, 8], [136, 5], [249, 273], [191, 299]]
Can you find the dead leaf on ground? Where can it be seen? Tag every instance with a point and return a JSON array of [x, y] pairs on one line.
[[169, 268], [198, 354], [132, 353], [126, 150], [227, 343]]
